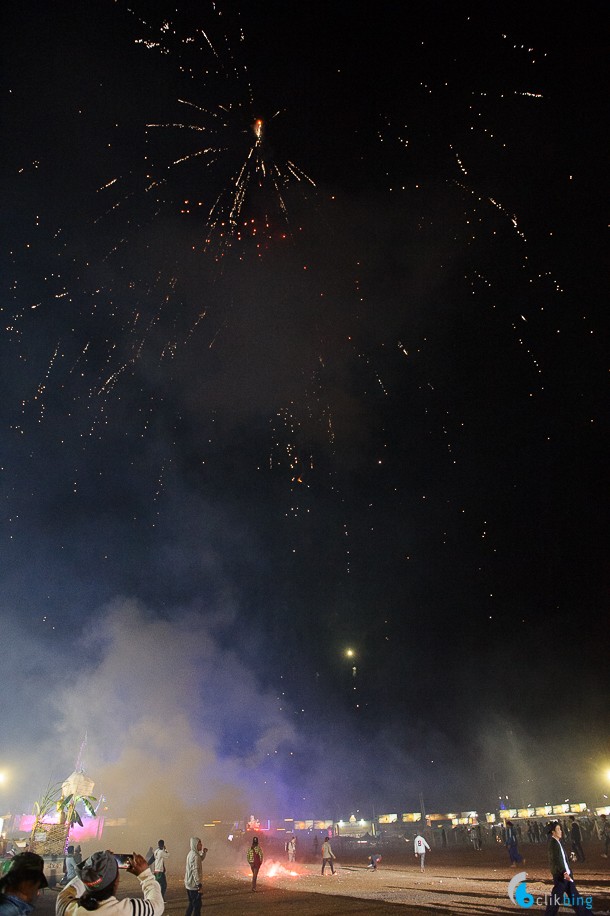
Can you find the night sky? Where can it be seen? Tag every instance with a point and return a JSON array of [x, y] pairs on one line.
[[368, 416]]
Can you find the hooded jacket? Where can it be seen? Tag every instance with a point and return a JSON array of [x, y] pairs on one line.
[[193, 875]]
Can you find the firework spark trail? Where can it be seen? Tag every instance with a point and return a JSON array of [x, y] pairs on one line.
[[127, 336], [287, 430], [299, 174], [254, 166], [81, 356], [42, 385], [367, 360], [227, 123], [479, 108], [108, 184], [511, 217], [225, 214]]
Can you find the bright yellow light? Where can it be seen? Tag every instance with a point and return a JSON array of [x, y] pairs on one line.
[[2, 778], [608, 774], [350, 653]]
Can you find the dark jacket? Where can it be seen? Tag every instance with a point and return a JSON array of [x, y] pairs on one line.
[[556, 863]]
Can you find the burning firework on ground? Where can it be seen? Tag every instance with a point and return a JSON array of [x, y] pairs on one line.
[[277, 870]]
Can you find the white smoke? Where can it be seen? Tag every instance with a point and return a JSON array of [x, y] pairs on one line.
[[178, 728]]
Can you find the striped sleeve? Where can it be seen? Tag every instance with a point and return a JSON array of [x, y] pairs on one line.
[[67, 903], [153, 903]]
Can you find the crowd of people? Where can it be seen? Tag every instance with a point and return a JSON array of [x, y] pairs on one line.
[[584, 829], [92, 883]]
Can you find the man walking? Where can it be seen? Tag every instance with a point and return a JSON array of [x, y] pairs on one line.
[[419, 848], [193, 876], [161, 854], [563, 882], [292, 849], [604, 835], [327, 856], [512, 845]]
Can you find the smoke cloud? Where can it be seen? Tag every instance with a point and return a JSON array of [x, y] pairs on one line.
[[177, 727]]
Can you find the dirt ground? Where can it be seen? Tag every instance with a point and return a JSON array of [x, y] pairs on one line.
[[456, 881]]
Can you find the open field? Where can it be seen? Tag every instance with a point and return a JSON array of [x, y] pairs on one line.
[[456, 881]]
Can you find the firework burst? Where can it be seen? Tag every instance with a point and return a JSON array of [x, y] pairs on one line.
[[243, 192]]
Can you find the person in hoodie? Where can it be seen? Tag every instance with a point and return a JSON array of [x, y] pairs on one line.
[[193, 876]]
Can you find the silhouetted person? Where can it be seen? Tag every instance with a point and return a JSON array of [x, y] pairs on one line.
[[477, 837], [291, 849], [604, 835], [374, 861], [576, 839], [327, 856], [255, 859], [512, 845]]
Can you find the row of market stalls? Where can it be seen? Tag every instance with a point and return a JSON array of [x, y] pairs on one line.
[[69, 815], [399, 823]]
